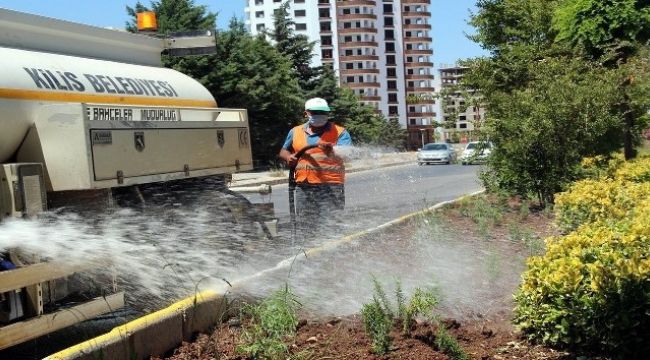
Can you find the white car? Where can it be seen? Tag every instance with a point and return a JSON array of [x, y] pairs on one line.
[[476, 152], [436, 153]]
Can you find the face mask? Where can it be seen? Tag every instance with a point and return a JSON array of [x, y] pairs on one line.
[[317, 120]]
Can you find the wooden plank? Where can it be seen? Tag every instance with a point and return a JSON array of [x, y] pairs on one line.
[[35, 274], [23, 331]]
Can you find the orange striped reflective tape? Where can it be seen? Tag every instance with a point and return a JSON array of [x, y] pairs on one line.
[[22, 94]]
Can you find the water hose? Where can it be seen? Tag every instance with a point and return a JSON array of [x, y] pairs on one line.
[[292, 184]]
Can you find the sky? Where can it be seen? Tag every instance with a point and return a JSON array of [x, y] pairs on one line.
[[449, 19]]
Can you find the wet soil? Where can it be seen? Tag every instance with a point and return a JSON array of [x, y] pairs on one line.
[[482, 334]]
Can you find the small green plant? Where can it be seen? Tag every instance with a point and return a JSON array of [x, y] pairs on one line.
[[449, 345], [272, 322], [422, 304], [515, 232], [379, 317], [480, 210], [533, 243], [524, 210], [377, 325]]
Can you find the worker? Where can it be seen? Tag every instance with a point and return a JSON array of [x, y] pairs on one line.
[[320, 172]]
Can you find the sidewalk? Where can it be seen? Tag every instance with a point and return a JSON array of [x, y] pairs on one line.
[[367, 161]]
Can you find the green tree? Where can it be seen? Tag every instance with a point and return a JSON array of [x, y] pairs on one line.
[[541, 129], [612, 32], [245, 72], [248, 72], [542, 132], [296, 47]]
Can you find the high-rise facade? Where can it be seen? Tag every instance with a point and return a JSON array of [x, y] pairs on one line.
[[468, 114], [380, 49]]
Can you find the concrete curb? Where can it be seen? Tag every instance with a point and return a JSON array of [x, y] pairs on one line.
[[157, 333], [153, 334]]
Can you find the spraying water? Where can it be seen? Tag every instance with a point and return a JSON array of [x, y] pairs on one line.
[[172, 252]]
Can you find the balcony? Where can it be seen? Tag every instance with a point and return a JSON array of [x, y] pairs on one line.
[[420, 77], [422, 14], [420, 114], [411, 39], [363, 85], [361, 30], [418, 52], [350, 3], [359, 71], [422, 2], [357, 17], [420, 89], [417, 26], [419, 64], [358, 57], [358, 44]]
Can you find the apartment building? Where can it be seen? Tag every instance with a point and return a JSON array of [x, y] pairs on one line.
[[380, 49], [468, 114]]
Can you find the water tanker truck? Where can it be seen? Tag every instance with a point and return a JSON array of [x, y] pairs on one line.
[[86, 110]]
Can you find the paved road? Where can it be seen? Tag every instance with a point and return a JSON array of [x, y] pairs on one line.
[[376, 196]]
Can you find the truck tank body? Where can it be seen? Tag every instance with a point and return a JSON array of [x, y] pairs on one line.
[[32, 79]]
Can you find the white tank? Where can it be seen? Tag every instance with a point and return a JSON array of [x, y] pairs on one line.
[[31, 79]]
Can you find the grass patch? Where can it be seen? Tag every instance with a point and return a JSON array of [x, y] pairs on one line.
[[272, 322]]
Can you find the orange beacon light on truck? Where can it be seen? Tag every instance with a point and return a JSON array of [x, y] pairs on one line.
[[147, 21]]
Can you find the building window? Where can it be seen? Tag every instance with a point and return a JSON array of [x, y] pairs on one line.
[[349, 66], [299, 1], [462, 118], [392, 110], [392, 84], [392, 97], [388, 21], [259, 14], [390, 59], [325, 27], [300, 13], [462, 126], [301, 26], [349, 79], [326, 53], [260, 27], [389, 34], [259, 2], [388, 8], [326, 40], [391, 72], [324, 13], [390, 47]]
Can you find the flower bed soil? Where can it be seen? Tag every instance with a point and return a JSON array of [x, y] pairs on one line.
[[491, 337]]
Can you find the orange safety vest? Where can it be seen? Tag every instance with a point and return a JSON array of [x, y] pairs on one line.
[[315, 167]]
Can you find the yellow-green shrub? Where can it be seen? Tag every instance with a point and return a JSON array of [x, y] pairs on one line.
[[591, 289], [598, 200]]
